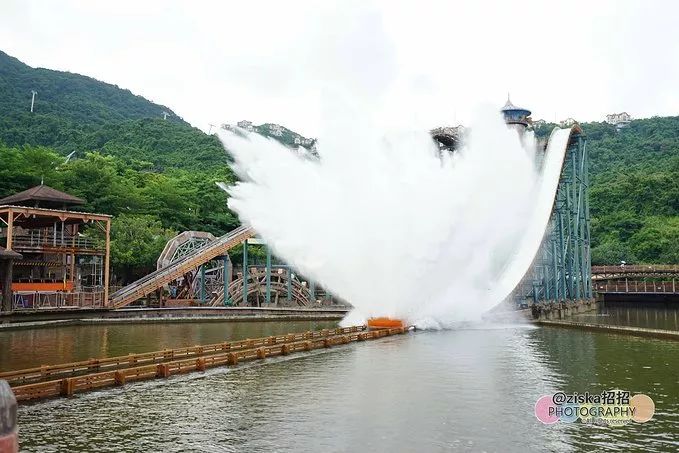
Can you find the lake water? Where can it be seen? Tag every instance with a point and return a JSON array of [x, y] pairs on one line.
[[472, 389], [651, 315]]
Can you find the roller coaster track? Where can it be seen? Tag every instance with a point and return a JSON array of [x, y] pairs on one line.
[[299, 294], [157, 279]]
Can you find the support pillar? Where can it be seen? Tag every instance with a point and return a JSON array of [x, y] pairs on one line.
[[268, 274], [575, 227], [225, 266], [107, 259], [535, 292], [245, 272], [312, 291], [289, 284], [588, 232], [10, 229], [555, 269], [202, 284], [563, 258], [6, 267]]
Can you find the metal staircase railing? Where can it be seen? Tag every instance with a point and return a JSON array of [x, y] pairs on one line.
[[157, 279]]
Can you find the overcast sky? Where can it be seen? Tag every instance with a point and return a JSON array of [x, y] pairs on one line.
[[270, 61]]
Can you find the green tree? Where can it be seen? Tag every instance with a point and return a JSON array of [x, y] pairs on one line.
[[136, 243]]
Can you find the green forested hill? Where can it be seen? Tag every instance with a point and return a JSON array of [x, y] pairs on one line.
[[634, 193], [77, 113], [634, 190], [157, 177], [78, 100]]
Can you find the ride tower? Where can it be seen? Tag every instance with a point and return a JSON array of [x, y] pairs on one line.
[[561, 270]]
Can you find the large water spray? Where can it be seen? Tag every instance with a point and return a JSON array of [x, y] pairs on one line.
[[392, 225]]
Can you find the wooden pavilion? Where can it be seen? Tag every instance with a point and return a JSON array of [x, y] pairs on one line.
[[65, 253]]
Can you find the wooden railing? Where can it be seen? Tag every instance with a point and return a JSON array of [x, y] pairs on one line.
[[24, 300], [635, 269], [637, 287], [37, 240]]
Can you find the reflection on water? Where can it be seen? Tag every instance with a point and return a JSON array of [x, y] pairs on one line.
[[466, 390], [51, 345], [648, 315]]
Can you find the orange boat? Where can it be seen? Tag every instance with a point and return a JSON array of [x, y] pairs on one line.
[[385, 323]]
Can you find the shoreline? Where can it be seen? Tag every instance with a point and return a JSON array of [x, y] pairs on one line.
[[624, 330], [167, 315]]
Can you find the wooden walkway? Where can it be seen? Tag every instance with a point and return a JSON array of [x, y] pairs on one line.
[[661, 271], [69, 378]]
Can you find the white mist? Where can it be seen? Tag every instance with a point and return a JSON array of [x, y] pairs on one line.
[[384, 222]]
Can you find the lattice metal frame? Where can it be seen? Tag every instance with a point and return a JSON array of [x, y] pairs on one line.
[[561, 271]]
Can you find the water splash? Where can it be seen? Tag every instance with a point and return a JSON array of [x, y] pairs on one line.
[[387, 222]]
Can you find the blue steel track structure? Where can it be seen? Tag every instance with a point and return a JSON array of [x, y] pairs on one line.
[[561, 270]]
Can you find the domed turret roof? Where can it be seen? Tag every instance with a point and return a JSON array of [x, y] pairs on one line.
[[509, 107]]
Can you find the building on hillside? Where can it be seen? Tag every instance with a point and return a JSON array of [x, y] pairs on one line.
[[247, 125], [276, 130], [65, 253], [568, 122], [298, 140], [619, 120], [228, 127]]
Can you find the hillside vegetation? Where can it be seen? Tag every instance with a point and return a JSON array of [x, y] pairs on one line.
[[157, 177], [634, 193], [634, 190]]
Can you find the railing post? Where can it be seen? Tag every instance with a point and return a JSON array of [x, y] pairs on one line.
[[225, 262], [9, 442]]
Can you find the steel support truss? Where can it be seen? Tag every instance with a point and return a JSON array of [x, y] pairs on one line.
[[561, 271]]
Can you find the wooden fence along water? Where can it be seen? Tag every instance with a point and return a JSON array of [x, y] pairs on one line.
[[69, 378]]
